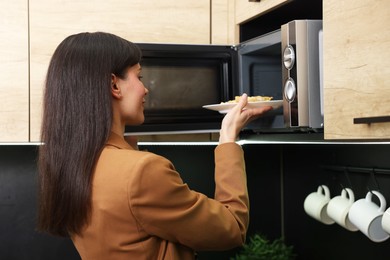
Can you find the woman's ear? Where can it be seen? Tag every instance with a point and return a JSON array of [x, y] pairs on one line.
[[115, 90]]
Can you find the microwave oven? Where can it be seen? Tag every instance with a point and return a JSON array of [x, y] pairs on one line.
[[182, 78]]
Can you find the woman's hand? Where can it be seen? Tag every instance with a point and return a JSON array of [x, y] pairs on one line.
[[237, 118]]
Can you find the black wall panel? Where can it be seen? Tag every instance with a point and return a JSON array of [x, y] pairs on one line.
[[279, 179], [18, 203], [304, 172]]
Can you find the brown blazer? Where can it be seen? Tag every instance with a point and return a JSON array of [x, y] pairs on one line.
[[141, 209]]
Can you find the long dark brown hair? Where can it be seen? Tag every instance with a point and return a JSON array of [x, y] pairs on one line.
[[77, 119]]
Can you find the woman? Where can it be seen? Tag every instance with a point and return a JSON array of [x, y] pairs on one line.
[[114, 201]]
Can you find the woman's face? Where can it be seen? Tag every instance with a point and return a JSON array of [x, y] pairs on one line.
[[132, 92]]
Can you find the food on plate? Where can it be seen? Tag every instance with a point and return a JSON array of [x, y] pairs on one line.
[[250, 99]]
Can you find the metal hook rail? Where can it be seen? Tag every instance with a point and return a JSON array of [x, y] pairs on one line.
[[349, 169], [371, 170]]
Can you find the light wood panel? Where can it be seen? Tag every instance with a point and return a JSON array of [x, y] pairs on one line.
[[14, 120], [356, 67], [223, 27], [167, 21]]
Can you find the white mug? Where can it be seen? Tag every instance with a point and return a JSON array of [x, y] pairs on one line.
[[316, 203], [367, 216], [338, 208], [386, 221]]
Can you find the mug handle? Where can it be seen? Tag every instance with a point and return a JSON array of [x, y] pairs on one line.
[[382, 200], [325, 189], [350, 193]]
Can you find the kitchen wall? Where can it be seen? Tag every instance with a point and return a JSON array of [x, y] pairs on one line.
[[280, 176]]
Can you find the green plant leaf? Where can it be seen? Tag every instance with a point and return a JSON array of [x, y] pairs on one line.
[[260, 248]]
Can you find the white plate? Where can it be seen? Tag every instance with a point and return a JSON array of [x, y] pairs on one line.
[[225, 107]]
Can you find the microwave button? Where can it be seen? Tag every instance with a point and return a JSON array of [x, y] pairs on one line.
[[288, 57], [290, 90]]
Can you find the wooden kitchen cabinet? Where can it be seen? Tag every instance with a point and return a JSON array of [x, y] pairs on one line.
[[168, 21], [356, 68], [14, 105]]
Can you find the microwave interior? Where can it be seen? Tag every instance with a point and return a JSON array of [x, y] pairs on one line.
[[182, 78], [260, 74]]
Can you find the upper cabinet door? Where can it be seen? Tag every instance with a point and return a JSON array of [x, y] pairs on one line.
[[14, 71], [356, 68], [156, 21]]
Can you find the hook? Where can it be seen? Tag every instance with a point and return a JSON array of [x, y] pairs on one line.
[[374, 179], [369, 190], [372, 174], [346, 173]]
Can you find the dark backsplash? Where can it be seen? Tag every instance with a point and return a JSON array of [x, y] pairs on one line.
[[19, 239], [279, 179]]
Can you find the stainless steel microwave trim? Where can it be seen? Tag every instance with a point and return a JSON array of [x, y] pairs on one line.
[[302, 91]]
